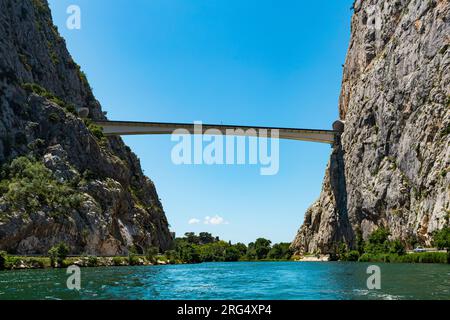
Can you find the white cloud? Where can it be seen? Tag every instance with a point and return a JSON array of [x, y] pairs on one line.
[[194, 221], [216, 220]]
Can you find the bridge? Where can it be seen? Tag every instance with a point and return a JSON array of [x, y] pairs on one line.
[[122, 128]]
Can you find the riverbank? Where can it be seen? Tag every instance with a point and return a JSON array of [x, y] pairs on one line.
[[43, 262], [313, 258], [411, 257]]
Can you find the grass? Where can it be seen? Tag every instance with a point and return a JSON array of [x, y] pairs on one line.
[[14, 262]]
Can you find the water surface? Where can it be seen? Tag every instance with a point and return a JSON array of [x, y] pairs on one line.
[[240, 280]]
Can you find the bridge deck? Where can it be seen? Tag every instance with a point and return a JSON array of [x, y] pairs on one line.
[[111, 128]]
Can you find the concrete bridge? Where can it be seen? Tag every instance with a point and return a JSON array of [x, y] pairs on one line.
[[121, 128]]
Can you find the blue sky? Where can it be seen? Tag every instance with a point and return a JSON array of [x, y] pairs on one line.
[[262, 63]]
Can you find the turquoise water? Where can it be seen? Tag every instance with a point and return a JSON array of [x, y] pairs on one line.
[[241, 280]]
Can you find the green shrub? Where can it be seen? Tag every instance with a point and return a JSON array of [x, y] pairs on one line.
[[232, 254], [396, 247], [378, 242], [69, 262], [27, 185], [441, 239], [92, 261], [12, 262], [40, 91], [279, 251], [262, 248], [133, 259], [422, 257], [38, 262], [352, 256], [96, 131], [57, 254], [119, 261], [445, 131], [151, 254], [365, 257], [171, 256]]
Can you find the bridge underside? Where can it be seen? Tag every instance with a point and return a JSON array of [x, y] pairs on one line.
[[121, 128]]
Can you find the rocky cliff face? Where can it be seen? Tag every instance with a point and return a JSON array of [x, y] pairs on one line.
[[61, 179], [392, 165]]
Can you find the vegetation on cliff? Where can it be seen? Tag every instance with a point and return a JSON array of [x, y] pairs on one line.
[[28, 186]]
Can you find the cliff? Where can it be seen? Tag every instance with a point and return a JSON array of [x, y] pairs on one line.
[[61, 179], [391, 167]]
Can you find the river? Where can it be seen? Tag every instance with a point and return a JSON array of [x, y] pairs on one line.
[[239, 280]]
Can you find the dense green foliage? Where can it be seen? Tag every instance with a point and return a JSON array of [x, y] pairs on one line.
[[151, 253], [95, 130], [378, 242], [57, 254], [352, 256], [133, 259], [92, 261], [28, 186], [261, 247], [422, 257], [206, 248], [441, 239], [280, 251], [378, 248]]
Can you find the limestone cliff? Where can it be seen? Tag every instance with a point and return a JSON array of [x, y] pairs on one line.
[[62, 180], [392, 165]]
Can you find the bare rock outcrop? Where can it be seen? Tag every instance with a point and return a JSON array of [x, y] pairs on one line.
[[392, 165], [98, 200]]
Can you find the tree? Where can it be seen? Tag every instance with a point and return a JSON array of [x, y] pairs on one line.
[[232, 254], [186, 251], [205, 238], [353, 255], [397, 247], [262, 248], [192, 238], [213, 251], [151, 253], [280, 251], [378, 242], [58, 253], [441, 239], [241, 247], [171, 255]]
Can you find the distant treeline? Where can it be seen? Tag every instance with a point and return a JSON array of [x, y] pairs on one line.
[[204, 247]]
